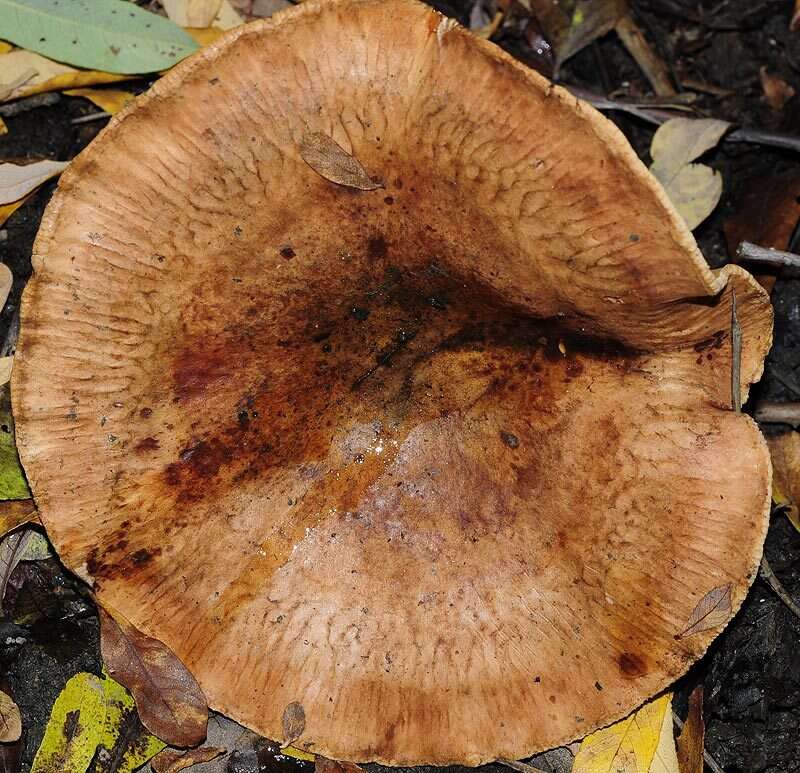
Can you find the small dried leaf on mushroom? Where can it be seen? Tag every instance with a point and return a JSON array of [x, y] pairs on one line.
[[294, 722], [329, 160], [170, 703], [712, 611], [10, 719]]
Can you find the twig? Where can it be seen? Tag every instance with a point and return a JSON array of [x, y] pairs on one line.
[[709, 760], [29, 103], [756, 254], [771, 412], [736, 357], [522, 767], [635, 42], [781, 592], [743, 134], [90, 117]]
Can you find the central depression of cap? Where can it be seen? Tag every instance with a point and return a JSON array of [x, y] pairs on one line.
[[447, 462]]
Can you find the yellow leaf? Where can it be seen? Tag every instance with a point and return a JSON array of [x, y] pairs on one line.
[[88, 717], [3, 127], [204, 35], [629, 746], [785, 452], [666, 756], [39, 74], [6, 210], [110, 100], [298, 754], [5, 47], [192, 13]]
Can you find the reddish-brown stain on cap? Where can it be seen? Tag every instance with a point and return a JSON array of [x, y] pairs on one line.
[[414, 462]]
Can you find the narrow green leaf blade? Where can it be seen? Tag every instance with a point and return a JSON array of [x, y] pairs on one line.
[[112, 35]]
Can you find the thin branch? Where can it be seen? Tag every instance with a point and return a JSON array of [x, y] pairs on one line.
[[736, 358], [769, 576], [90, 117], [29, 103], [709, 760], [756, 254], [656, 116], [649, 63], [771, 412]]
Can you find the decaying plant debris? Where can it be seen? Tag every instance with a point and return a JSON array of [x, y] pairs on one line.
[[508, 26]]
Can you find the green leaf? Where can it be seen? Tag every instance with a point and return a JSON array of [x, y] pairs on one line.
[[111, 35], [12, 479], [94, 716]]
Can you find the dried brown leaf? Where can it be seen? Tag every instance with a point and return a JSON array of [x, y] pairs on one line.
[[711, 611], [691, 741], [170, 703], [294, 722], [175, 760], [328, 159], [324, 765], [10, 720], [15, 512], [777, 91], [12, 549], [785, 453]]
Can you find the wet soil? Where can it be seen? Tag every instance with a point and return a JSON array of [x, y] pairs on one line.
[[751, 675]]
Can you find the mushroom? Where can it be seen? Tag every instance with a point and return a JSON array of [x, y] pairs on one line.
[[436, 472]]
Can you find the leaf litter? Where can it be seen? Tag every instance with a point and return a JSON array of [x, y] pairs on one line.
[[330, 160], [712, 611], [10, 719], [171, 704], [110, 35]]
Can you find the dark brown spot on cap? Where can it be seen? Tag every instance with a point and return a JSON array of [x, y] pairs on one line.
[[631, 665]]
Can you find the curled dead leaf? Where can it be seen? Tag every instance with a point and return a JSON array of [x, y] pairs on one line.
[[10, 720], [294, 722], [712, 611], [328, 159], [168, 699], [175, 760]]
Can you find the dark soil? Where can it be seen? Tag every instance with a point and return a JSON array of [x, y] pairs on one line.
[[48, 631]]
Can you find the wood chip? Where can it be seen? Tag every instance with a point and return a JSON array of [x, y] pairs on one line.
[[691, 741]]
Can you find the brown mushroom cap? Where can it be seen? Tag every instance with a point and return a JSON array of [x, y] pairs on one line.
[[449, 463]]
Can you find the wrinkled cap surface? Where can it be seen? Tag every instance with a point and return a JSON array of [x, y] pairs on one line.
[[447, 464]]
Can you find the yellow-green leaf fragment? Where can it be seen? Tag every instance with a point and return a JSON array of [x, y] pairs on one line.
[[629, 746], [298, 754], [12, 479], [94, 716], [110, 35]]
